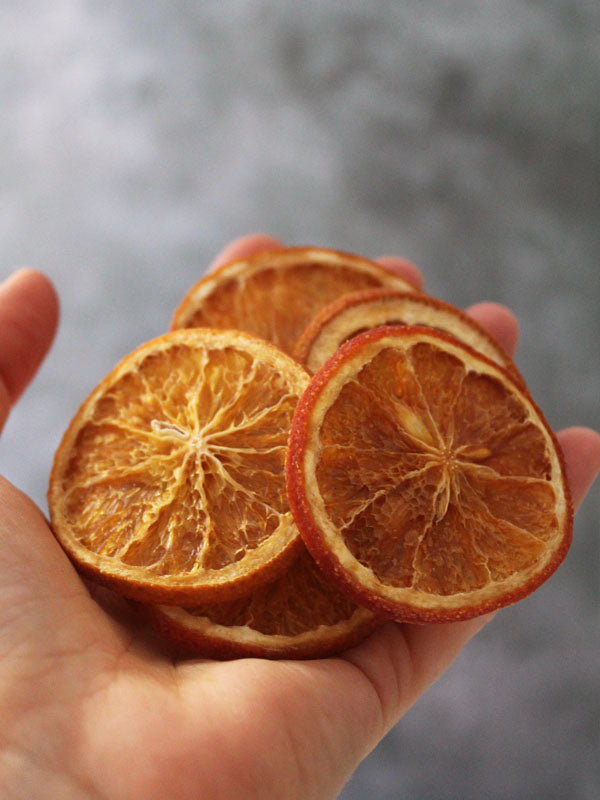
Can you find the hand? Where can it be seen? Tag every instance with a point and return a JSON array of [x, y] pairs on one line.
[[93, 708]]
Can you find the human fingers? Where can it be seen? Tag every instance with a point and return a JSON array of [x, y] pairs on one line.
[[499, 321], [405, 269], [34, 572], [30, 557], [245, 246], [402, 660], [581, 450], [28, 321]]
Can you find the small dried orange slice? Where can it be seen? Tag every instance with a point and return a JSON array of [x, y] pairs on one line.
[[360, 311], [299, 615], [424, 480], [275, 294], [168, 484]]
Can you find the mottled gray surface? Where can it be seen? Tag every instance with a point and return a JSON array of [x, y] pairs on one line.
[[136, 138]]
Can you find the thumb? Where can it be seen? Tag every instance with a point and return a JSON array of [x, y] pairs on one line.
[[33, 568], [46, 610], [28, 321]]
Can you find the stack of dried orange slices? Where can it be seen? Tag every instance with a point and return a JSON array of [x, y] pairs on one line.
[[258, 510]]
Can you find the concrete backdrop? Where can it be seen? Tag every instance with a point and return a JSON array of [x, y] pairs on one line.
[[137, 138]]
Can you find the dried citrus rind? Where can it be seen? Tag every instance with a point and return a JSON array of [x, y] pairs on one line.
[[168, 483], [360, 311], [275, 294], [299, 615], [424, 480]]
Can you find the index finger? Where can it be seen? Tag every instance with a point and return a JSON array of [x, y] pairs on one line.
[[405, 269], [28, 321], [245, 246]]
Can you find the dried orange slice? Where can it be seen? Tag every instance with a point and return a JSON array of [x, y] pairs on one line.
[[360, 311], [299, 615], [168, 484], [275, 294], [424, 480]]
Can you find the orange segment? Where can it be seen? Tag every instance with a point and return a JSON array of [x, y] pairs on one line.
[[299, 615], [360, 311], [275, 294], [424, 479], [168, 483]]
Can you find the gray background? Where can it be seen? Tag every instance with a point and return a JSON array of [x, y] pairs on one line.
[[137, 138]]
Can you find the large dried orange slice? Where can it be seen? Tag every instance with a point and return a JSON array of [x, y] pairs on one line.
[[275, 294], [299, 615], [168, 484], [359, 311], [424, 479]]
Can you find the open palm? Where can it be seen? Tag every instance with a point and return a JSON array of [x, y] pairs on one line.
[[94, 707]]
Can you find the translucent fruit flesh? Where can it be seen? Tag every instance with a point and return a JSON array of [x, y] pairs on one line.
[[275, 295], [300, 615], [428, 476], [169, 478]]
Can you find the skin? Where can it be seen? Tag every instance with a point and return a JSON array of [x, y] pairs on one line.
[[91, 704]]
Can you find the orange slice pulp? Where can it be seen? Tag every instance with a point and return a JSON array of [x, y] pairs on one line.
[[168, 484], [360, 311], [299, 615], [424, 480], [275, 294]]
